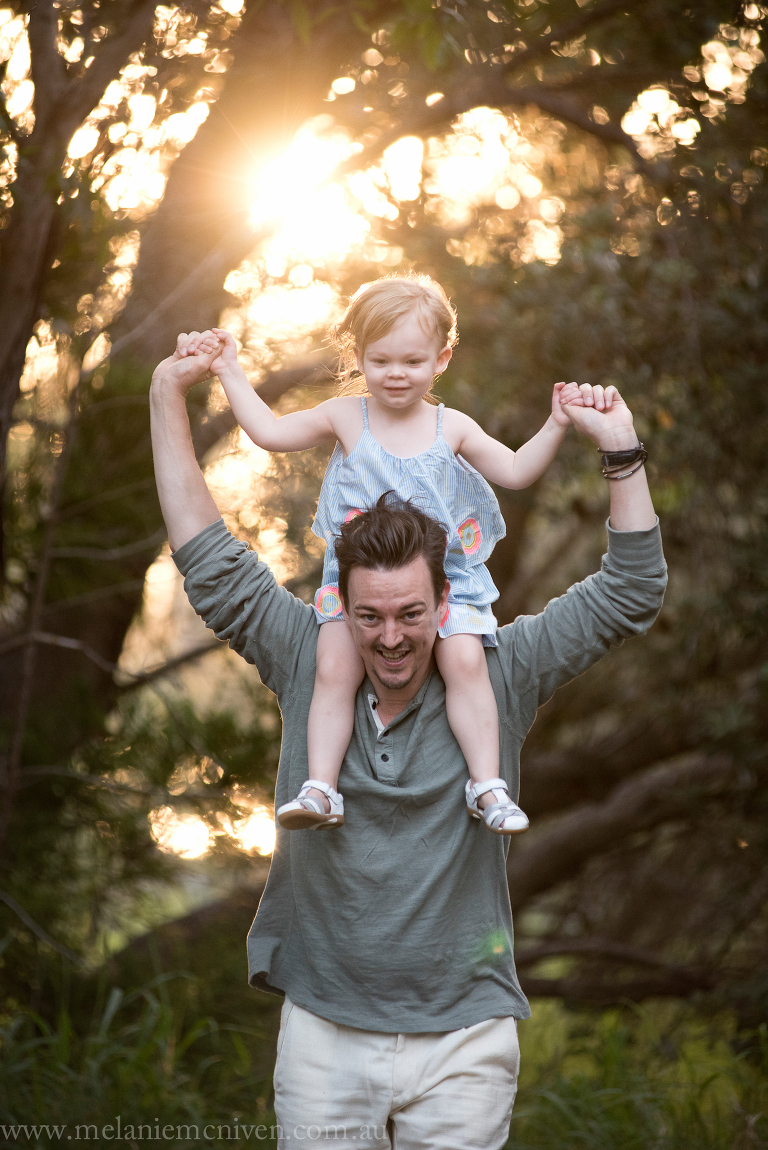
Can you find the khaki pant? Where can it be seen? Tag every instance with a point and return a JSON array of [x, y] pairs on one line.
[[342, 1087]]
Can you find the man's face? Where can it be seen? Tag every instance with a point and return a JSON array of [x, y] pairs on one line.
[[394, 621]]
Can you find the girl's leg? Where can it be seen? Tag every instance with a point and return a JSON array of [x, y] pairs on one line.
[[471, 706], [339, 672]]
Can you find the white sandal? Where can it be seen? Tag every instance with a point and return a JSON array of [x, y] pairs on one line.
[[503, 817], [308, 813]]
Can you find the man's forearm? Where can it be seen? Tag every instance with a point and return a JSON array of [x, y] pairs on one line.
[[185, 500], [631, 505]]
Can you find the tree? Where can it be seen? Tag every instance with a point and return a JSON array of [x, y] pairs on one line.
[[653, 226]]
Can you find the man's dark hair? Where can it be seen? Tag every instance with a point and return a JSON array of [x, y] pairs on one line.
[[390, 535]]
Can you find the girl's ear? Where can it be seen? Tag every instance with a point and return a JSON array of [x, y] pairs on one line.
[[443, 359]]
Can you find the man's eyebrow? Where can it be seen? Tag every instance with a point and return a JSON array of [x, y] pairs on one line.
[[376, 611]]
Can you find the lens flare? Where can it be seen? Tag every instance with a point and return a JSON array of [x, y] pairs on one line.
[[184, 835]]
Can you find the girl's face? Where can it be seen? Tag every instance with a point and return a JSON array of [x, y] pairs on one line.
[[399, 367]]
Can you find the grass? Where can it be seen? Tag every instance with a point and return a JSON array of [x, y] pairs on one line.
[[661, 1077], [137, 1061]]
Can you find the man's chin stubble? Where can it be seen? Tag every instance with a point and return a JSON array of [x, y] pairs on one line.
[[395, 683]]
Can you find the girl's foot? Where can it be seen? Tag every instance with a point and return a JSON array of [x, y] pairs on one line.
[[501, 815], [308, 811]]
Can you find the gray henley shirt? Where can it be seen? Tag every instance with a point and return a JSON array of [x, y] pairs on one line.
[[400, 920]]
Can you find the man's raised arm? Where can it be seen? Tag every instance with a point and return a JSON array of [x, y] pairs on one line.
[[604, 417], [186, 502], [230, 589], [542, 652]]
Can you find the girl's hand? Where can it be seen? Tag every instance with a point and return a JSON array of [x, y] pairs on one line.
[[190, 362], [603, 415], [227, 353], [563, 393]]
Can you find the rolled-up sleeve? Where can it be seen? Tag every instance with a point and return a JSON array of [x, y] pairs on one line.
[[542, 652], [238, 597]]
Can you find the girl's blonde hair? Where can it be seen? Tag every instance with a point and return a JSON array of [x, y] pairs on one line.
[[376, 308]]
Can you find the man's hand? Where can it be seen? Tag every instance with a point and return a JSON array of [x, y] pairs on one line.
[[601, 414], [190, 363], [187, 504]]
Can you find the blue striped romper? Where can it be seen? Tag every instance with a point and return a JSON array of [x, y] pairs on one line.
[[442, 485]]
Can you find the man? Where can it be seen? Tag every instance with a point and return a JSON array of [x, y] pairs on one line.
[[392, 935]]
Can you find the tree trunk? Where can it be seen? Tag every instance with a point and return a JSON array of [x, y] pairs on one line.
[[27, 254], [63, 98], [209, 190], [276, 82]]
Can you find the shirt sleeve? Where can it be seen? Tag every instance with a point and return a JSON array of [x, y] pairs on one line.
[[238, 597], [542, 652]]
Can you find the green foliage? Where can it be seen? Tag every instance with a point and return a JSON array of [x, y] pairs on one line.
[[137, 1059], [658, 1077], [83, 856], [661, 1077]]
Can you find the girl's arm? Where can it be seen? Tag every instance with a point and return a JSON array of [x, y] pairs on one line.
[[294, 432], [516, 469]]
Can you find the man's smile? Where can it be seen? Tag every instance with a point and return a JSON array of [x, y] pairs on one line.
[[393, 659]]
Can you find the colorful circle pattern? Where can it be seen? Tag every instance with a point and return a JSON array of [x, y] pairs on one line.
[[328, 602], [470, 536]]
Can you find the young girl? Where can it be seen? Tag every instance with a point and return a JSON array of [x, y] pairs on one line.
[[398, 333]]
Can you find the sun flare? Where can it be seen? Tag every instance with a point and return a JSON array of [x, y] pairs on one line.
[[190, 837]]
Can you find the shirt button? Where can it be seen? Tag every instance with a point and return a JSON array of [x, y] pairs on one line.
[[385, 758]]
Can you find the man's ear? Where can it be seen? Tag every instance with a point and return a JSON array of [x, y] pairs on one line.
[[443, 600]]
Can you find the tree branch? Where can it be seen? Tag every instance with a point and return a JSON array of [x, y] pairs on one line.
[[215, 260], [138, 679], [492, 88], [274, 385], [111, 554], [656, 796], [31, 773], [43, 935], [612, 993], [157, 794], [8, 122], [554, 780], [46, 639], [569, 31], [598, 948], [116, 401], [514, 594], [493, 85], [126, 588], [85, 90], [47, 66], [104, 497], [10, 768], [142, 678]]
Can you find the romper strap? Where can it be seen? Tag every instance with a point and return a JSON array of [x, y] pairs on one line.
[[440, 410], [365, 412]]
